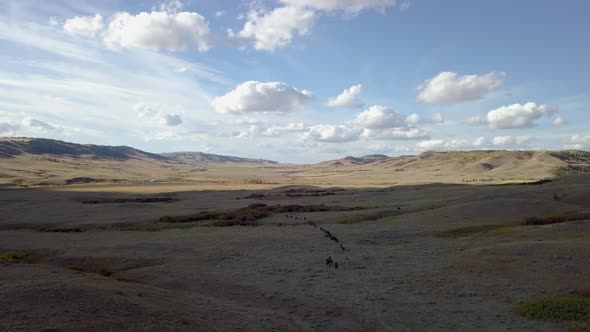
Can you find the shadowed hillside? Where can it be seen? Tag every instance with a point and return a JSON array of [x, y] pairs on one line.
[[42, 146]]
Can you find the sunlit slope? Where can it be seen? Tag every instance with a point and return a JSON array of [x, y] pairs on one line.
[[41, 162]]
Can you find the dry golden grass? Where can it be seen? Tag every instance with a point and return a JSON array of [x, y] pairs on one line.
[[151, 176]]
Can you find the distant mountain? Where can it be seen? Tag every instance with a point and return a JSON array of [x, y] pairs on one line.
[[347, 161], [11, 147], [208, 158]]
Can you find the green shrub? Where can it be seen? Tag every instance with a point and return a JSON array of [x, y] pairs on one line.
[[555, 308]]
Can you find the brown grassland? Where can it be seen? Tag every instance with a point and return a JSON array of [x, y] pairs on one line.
[[232, 247]]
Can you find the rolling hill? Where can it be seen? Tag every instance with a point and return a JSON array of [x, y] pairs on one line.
[[208, 158], [12, 147], [42, 162]]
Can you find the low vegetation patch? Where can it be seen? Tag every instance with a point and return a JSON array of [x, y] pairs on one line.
[[555, 308], [466, 231], [24, 256], [571, 169], [350, 220], [579, 327], [572, 156], [80, 180], [131, 200], [555, 219], [11, 256], [228, 223], [56, 228], [242, 215], [536, 183], [104, 266], [306, 192], [144, 227], [250, 214], [584, 292], [366, 217], [255, 196], [325, 193]]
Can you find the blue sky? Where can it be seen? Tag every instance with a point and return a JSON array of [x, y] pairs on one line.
[[297, 80]]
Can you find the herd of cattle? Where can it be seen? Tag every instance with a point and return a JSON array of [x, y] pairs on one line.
[[327, 234]]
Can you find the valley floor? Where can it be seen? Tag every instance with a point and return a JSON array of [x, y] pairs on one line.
[[88, 260]]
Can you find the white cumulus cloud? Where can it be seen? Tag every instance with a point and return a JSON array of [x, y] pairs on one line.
[[477, 120], [510, 141], [578, 142], [454, 144], [560, 121], [83, 26], [332, 133], [349, 98], [154, 112], [518, 115], [254, 96], [257, 129], [401, 133], [480, 141], [379, 117], [158, 30], [432, 144], [269, 30], [414, 119], [449, 87], [290, 128]]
